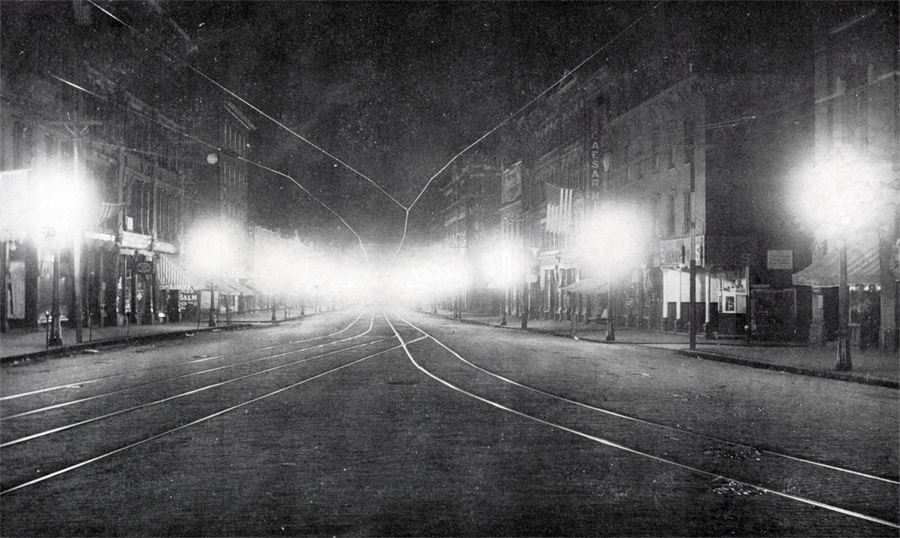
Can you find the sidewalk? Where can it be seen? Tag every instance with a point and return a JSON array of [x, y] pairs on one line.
[[872, 366], [21, 344]]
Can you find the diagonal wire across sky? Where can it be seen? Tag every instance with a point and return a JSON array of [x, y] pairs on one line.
[[428, 183]]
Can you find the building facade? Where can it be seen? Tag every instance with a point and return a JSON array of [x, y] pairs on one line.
[[123, 157], [706, 160], [468, 222], [857, 84]]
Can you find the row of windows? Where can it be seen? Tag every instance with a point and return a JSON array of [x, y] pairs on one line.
[[638, 157], [152, 140], [665, 214], [234, 140], [142, 216]]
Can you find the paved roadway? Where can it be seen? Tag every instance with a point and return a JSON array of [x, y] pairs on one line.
[[358, 426]]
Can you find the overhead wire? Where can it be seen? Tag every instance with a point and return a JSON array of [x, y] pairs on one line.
[[217, 148], [250, 105], [513, 115], [280, 124]]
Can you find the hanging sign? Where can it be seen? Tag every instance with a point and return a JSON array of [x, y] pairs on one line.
[[143, 268]]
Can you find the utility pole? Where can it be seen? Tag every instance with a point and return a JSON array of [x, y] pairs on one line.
[[844, 362], [76, 128], [692, 287]]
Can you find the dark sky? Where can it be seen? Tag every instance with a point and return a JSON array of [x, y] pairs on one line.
[[393, 89]]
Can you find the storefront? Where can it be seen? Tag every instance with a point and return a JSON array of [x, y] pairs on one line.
[[871, 303], [721, 285]]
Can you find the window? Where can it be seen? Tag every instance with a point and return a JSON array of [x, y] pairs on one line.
[[687, 213], [639, 157], [670, 215], [688, 141], [670, 147], [654, 149], [655, 211]]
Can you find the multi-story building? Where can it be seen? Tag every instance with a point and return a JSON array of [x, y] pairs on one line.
[[857, 84], [707, 160], [219, 166], [468, 221], [546, 189], [125, 154]]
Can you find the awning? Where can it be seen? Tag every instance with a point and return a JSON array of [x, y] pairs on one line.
[[593, 286], [862, 268], [172, 275], [230, 286]]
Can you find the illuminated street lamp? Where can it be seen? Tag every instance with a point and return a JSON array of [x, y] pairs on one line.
[[841, 195], [61, 209], [208, 246], [614, 240]]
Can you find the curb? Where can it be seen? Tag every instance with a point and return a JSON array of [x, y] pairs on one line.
[[718, 357], [826, 374], [131, 340]]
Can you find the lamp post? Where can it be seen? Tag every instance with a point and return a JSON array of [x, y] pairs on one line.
[[207, 246], [610, 312], [212, 303], [613, 254], [848, 194], [55, 336], [844, 362]]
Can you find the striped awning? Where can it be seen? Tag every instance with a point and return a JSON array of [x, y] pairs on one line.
[[231, 286], [587, 286], [172, 275], [863, 268]]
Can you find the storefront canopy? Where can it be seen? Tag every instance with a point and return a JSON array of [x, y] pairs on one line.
[[588, 286], [231, 286], [862, 268], [173, 275]]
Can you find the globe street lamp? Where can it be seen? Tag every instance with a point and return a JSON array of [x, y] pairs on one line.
[[208, 246], [613, 240], [61, 206], [843, 195]]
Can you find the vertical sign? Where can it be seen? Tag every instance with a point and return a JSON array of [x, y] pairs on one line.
[[594, 167]]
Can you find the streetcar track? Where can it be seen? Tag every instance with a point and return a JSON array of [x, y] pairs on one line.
[[180, 395], [612, 444], [191, 374], [650, 422], [197, 421], [78, 384]]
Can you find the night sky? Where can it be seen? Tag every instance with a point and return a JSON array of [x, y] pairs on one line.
[[392, 89]]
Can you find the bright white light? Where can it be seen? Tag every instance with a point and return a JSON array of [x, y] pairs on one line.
[[59, 205], [840, 193], [423, 276], [210, 246], [614, 237]]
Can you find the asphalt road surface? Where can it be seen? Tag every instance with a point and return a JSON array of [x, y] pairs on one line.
[[403, 423]]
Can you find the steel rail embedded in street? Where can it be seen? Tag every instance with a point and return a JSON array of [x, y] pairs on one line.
[[619, 446], [77, 384], [650, 422], [194, 422], [184, 394], [191, 374]]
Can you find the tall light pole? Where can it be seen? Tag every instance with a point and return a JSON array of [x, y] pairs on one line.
[[844, 363], [610, 312], [55, 335], [848, 195]]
